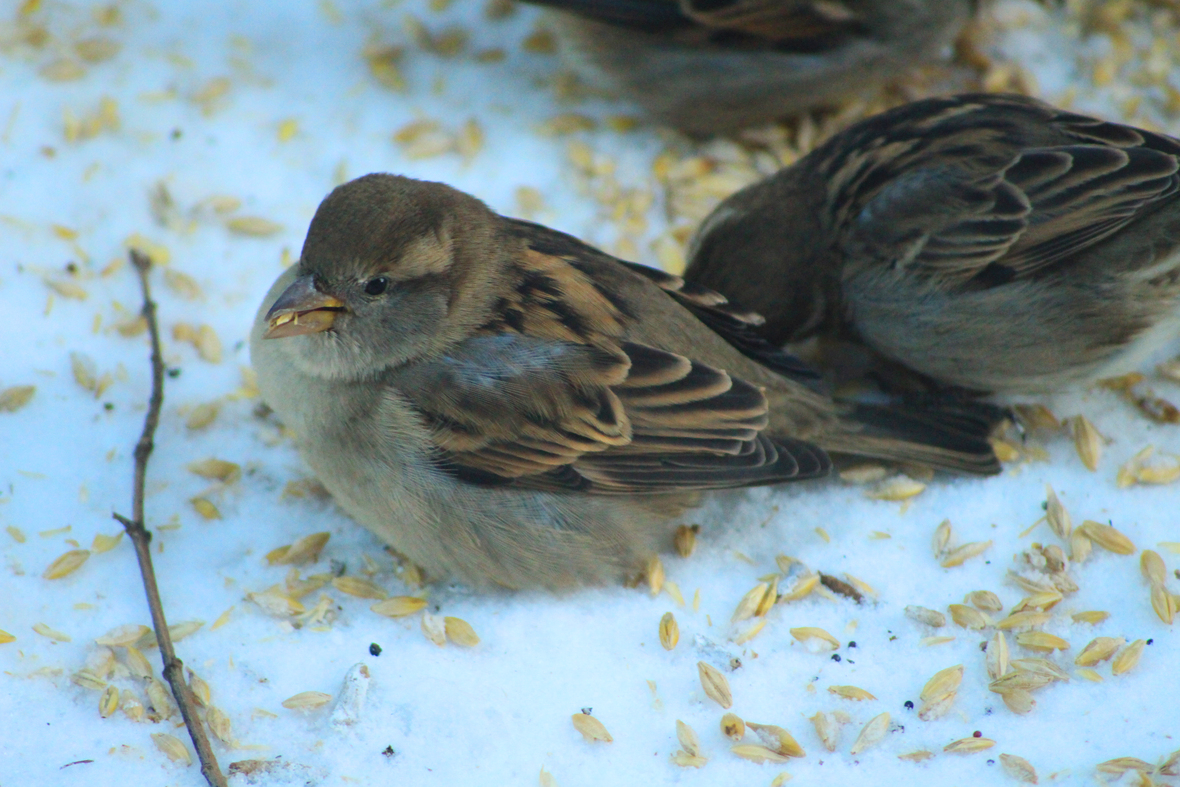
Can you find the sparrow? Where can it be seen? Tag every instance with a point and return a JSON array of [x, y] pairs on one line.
[[507, 405], [716, 66], [991, 243]]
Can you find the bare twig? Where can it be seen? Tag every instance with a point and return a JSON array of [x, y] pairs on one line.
[[141, 538]]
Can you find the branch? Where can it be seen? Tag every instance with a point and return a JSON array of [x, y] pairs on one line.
[[141, 538]]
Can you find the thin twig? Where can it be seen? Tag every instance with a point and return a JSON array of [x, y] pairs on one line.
[[142, 539]]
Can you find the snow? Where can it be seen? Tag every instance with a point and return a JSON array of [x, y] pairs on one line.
[[499, 712]]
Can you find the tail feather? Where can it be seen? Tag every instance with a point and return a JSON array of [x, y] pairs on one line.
[[952, 437]]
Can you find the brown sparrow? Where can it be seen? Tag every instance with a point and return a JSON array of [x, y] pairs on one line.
[[990, 242], [715, 66], [503, 403]]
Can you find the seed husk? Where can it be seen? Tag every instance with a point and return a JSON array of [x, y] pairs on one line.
[[172, 748], [1087, 441], [749, 603], [926, 616], [686, 760], [434, 628], [968, 745], [777, 739], [944, 681], [219, 724], [88, 680], [688, 738], [897, 488], [669, 631], [758, 753], [937, 706], [591, 728], [733, 727], [1090, 675], [1079, 547], [307, 700], [1040, 640], [1163, 603], [942, 537], [122, 635], [1018, 701], [1017, 679], [1041, 667], [748, 632], [715, 685], [1092, 616], [1107, 537], [159, 698], [916, 756], [53, 634], [851, 693], [959, 555], [1098, 650], [1153, 568], [1039, 601], [1018, 768], [1027, 619], [1056, 514], [996, 657], [66, 564], [305, 549], [359, 587], [654, 573], [16, 397], [1120, 765], [686, 539], [137, 663], [828, 732], [108, 703], [967, 617], [460, 632], [1128, 658], [216, 470], [984, 600], [871, 733], [399, 606], [812, 633]]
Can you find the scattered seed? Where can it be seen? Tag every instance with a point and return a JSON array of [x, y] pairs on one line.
[[928, 617], [1107, 537], [715, 685], [899, 487], [399, 606], [984, 600], [943, 682], [1098, 650], [916, 756], [16, 397], [1092, 616], [460, 632], [1120, 765], [958, 556], [968, 617], [172, 748], [1039, 640], [159, 698], [813, 635], [777, 739], [1056, 514], [968, 745], [1018, 768], [996, 657], [1019, 701], [307, 700], [686, 539], [66, 564], [1027, 619], [359, 587], [216, 470], [137, 663], [1087, 441], [669, 631], [1079, 546], [1128, 658], [827, 730], [750, 603], [851, 693], [654, 574], [202, 415], [219, 724], [756, 753], [108, 703], [52, 634], [591, 728], [1163, 603], [434, 628], [253, 226], [1152, 567], [104, 543], [871, 733], [942, 537], [733, 727], [5, 638]]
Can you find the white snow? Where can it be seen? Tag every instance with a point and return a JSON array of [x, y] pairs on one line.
[[499, 712]]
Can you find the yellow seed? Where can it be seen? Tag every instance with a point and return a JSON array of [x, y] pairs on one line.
[[967, 617], [591, 728], [307, 700], [929, 641], [1042, 601], [929, 617], [1163, 603], [1087, 441], [1041, 667], [1019, 701], [1018, 768], [52, 634], [851, 693], [399, 606], [942, 537], [777, 739], [968, 745], [16, 397], [871, 733], [686, 539], [254, 226], [688, 738], [1039, 640], [288, 129], [216, 470], [66, 564], [802, 588], [757, 753], [17, 534], [813, 634], [172, 748], [1020, 679], [108, 703], [202, 415], [1120, 765], [1092, 616], [1056, 514], [1005, 451], [1079, 546], [219, 724], [898, 488], [996, 657], [669, 631], [654, 574], [434, 628], [104, 543], [1107, 537], [749, 603], [715, 685], [863, 474], [178, 631], [359, 587], [1089, 674], [1026, 619], [1153, 568], [274, 602], [460, 632], [121, 636], [826, 729], [984, 600], [182, 284], [5, 638], [88, 680], [943, 682], [205, 508], [733, 727], [1128, 658], [673, 591], [160, 699], [1100, 649], [958, 556], [137, 663], [200, 688]]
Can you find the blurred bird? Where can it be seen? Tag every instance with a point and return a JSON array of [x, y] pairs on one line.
[[716, 66], [988, 242], [505, 404]]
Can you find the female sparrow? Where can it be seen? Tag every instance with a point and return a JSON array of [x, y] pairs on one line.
[[990, 242], [505, 404], [716, 66]]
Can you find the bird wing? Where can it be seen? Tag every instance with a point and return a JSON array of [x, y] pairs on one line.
[[550, 394], [959, 200]]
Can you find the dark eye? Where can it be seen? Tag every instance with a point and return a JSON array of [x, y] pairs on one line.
[[376, 286]]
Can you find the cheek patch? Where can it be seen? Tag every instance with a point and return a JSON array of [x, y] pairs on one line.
[[426, 256]]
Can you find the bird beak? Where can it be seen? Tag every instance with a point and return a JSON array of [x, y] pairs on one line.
[[301, 309]]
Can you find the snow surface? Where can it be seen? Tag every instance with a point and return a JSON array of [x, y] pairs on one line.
[[500, 712]]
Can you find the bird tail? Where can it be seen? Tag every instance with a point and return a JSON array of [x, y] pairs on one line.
[[946, 436]]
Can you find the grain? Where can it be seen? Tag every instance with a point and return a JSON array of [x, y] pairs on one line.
[[733, 727], [756, 753], [968, 745], [399, 606], [1056, 514], [851, 693], [871, 733], [996, 658], [16, 397], [928, 617], [1018, 768], [591, 728], [307, 700], [1039, 640], [66, 564], [967, 617], [812, 635], [359, 587], [984, 600], [460, 632], [777, 739], [1151, 565], [1087, 441], [1107, 537], [172, 748], [669, 631], [1098, 650], [715, 685], [1129, 657], [827, 730], [686, 539], [959, 555]]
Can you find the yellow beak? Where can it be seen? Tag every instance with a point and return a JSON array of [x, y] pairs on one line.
[[301, 309]]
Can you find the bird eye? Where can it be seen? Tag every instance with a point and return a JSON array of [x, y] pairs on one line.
[[376, 286]]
